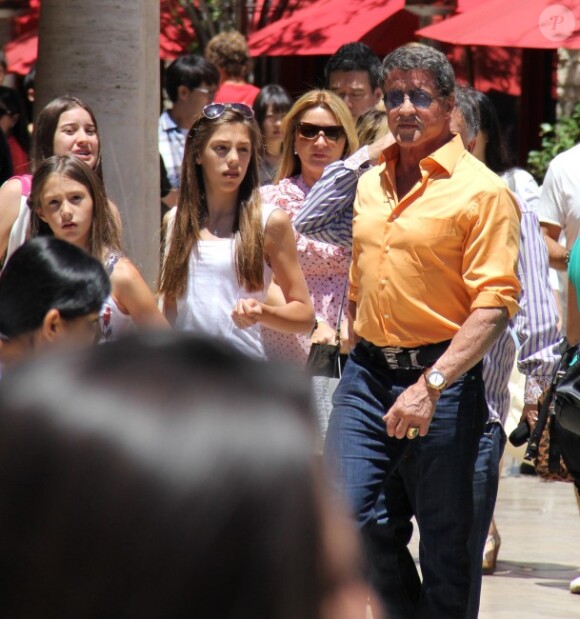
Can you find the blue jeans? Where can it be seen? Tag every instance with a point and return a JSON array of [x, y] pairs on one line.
[[363, 457], [485, 484], [396, 577]]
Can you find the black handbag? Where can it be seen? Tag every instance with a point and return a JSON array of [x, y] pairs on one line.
[[324, 359], [567, 391], [543, 448]]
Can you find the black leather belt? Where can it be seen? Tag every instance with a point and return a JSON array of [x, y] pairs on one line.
[[397, 358]]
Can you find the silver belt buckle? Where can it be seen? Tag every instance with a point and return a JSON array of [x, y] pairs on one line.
[[409, 362], [413, 354], [390, 353]]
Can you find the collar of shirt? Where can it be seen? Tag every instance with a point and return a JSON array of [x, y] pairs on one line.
[[169, 125], [445, 157]]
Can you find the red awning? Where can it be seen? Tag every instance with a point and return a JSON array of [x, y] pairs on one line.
[[21, 53], [540, 24], [175, 36], [326, 25]]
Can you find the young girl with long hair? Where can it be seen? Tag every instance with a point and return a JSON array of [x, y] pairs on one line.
[[68, 200], [65, 126], [225, 244]]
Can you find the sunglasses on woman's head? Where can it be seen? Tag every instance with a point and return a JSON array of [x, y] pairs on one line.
[[215, 110], [311, 132]]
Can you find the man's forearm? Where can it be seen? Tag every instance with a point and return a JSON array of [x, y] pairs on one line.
[[557, 253], [472, 341]]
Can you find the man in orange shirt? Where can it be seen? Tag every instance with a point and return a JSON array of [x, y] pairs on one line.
[[433, 283]]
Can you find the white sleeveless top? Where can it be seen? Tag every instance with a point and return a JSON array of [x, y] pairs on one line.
[[213, 290], [20, 230]]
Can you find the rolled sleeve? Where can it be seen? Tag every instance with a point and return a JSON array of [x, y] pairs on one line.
[[491, 252]]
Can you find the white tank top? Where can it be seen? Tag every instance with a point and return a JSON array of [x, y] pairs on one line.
[[20, 230], [213, 290]]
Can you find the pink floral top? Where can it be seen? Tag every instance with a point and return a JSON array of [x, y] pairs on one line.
[[325, 268]]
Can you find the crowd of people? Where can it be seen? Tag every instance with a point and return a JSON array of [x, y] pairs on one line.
[[388, 191]]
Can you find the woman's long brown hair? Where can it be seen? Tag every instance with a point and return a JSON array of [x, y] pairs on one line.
[[192, 207]]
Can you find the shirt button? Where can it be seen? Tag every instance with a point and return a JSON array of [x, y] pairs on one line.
[[384, 282], [387, 315], [388, 248]]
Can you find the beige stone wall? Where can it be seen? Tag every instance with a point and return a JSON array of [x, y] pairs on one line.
[[568, 80], [107, 53]]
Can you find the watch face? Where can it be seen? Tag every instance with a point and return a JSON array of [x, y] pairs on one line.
[[436, 379]]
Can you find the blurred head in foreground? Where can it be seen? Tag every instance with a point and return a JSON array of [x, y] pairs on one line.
[[51, 293], [167, 476]]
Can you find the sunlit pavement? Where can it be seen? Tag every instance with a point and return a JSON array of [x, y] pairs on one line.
[[539, 524]]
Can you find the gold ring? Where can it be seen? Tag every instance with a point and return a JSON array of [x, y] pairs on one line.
[[412, 433]]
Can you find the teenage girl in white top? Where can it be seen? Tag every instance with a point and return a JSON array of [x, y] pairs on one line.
[[68, 200], [224, 245]]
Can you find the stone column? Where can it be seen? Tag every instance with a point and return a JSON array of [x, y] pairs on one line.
[[568, 80], [107, 53]]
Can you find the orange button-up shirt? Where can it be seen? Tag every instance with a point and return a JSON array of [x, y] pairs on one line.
[[422, 265]]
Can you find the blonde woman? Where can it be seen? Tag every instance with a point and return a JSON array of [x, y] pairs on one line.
[[318, 130]]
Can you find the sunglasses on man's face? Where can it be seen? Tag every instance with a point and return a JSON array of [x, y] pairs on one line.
[[311, 132], [418, 98], [215, 110]]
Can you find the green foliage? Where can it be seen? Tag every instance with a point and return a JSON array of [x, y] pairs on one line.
[[555, 139], [209, 17]]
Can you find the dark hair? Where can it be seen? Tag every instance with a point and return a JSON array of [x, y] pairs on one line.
[[424, 58], [105, 236], [496, 157], [189, 71], [45, 129], [46, 273], [192, 208], [11, 104], [159, 476], [29, 79], [274, 96], [355, 57], [467, 103]]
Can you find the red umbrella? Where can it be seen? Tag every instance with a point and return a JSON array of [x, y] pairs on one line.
[[326, 25], [540, 24]]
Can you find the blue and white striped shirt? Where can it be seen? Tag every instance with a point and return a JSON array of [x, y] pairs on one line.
[[171, 146], [327, 216]]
